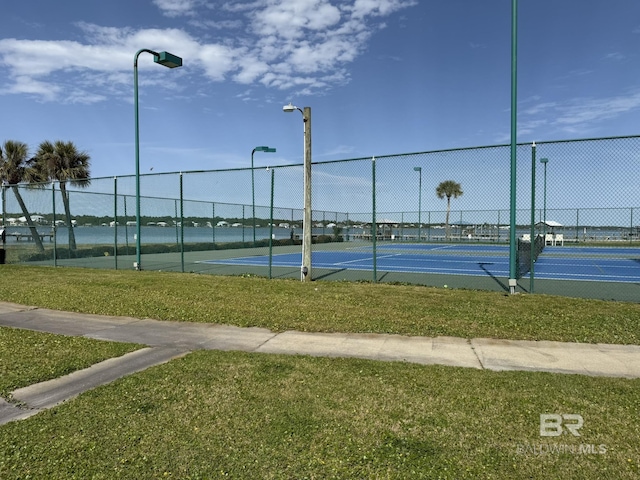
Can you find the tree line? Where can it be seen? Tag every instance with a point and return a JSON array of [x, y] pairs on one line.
[[53, 161]]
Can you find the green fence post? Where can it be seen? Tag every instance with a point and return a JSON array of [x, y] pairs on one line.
[[126, 227], [419, 170], [4, 220], [577, 223], [374, 229], [181, 225], [176, 218], [53, 227], [4, 204], [533, 217], [631, 227], [213, 223], [115, 221], [271, 223]]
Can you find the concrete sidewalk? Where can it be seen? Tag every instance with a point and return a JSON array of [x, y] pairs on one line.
[[168, 340]]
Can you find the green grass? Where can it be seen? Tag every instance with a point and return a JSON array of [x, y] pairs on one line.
[[322, 306], [28, 357], [239, 415]]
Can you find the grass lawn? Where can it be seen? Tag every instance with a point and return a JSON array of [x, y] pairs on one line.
[[239, 415], [28, 357], [322, 306]]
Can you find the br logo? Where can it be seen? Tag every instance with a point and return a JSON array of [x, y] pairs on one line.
[[553, 424]]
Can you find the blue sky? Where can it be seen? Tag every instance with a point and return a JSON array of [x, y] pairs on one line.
[[381, 76]]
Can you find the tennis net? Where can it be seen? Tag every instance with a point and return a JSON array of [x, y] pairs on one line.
[[524, 252]]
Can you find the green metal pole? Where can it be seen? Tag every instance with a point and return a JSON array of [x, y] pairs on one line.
[[55, 240], [4, 204], [3, 188], [374, 229], [271, 224], [126, 228], [419, 170], [544, 161], [533, 217], [175, 215], [115, 219], [181, 225], [420, 208], [170, 62], [253, 200], [514, 125], [138, 264]]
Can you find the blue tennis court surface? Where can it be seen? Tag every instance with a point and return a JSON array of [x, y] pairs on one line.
[[557, 263]]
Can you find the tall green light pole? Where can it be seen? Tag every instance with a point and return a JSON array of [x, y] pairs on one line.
[[170, 61], [513, 281], [305, 268], [544, 162], [253, 194], [419, 170]]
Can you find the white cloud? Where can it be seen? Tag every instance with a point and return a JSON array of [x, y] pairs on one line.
[[363, 8], [617, 56], [301, 44], [580, 111], [176, 8], [575, 115], [26, 85]]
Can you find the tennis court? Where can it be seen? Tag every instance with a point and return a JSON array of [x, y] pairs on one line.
[[602, 264]]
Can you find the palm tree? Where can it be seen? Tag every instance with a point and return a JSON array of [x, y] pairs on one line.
[[448, 189], [62, 161], [15, 169]]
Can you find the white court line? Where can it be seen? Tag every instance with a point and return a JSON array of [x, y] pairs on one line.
[[365, 259]]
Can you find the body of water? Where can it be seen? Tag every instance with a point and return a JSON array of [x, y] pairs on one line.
[[104, 235]]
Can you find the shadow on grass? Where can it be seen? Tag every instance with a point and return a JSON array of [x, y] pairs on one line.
[[495, 279]]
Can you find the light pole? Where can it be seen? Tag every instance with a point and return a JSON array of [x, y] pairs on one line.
[[170, 61], [305, 268], [419, 170], [544, 162], [513, 281], [253, 194]]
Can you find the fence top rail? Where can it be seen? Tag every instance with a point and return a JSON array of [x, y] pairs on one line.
[[407, 154], [327, 162]]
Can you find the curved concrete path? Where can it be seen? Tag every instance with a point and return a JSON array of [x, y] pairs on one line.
[[168, 340]]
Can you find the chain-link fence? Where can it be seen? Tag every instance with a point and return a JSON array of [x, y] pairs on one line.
[[377, 219]]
